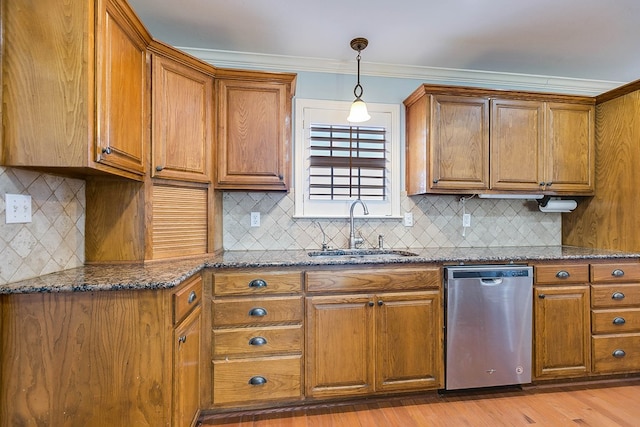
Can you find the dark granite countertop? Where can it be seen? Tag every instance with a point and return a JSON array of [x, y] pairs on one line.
[[170, 273]]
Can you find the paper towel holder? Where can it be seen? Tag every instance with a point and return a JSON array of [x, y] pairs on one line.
[[547, 204]]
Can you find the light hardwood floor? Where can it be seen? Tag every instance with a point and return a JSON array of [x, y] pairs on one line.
[[601, 405]]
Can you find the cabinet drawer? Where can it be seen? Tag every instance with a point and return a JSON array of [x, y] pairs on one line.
[[553, 274], [254, 311], [390, 279], [257, 282], [251, 342], [618, 272], [626, 347], [274, 378], [615, 321], [187, 298], [623, 295]]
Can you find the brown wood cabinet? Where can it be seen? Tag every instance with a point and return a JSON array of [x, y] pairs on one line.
[[561, 321], [362, 343], [615, 311], [100, 358], [253, 130], [483, 141], [257, 318], [182, 115], [607, 220], [89, 111]]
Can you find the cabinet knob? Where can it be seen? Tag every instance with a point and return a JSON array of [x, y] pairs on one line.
[[435, 181], [280, 177], [618, 354], [371, 304], [258, 283], [257, 380], [617, 273], [542, 296], [617, 296], [159, 168], [619, 321], [257, 341], [562, 274], [548, 184], [541, 184], [192, 297], [258, 312], [106, 150], [380, 302], [182, 339]]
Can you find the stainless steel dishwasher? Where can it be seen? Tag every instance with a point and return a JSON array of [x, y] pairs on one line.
[[488, 326]]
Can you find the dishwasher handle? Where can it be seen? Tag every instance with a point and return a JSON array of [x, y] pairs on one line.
[[494, 281]]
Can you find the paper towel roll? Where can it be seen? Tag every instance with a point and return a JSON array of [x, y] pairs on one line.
[[559, 205]]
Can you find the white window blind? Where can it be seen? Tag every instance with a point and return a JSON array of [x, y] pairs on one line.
[[347, 162], [337, 162]]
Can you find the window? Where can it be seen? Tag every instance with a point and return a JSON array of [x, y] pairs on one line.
[[338, 162]]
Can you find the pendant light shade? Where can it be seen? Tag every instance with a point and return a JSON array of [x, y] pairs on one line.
[[358, 111]]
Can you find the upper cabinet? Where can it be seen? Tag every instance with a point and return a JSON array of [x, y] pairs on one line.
[[182, 115], [254, 130], [485, 141], [82, 111]]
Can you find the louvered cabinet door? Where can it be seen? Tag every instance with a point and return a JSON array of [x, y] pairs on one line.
[[179, 221]]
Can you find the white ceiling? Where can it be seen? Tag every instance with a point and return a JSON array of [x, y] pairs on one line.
[[594, 40]]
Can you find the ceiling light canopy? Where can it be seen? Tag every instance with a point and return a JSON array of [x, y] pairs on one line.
[[358, 111]]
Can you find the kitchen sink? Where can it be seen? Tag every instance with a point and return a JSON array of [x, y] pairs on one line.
[[362, 253]]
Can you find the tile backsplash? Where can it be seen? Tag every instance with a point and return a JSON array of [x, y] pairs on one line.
[[54, 240], [437, 223]]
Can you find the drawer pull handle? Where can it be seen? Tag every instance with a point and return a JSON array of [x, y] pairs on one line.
[[617, 295], [258, 312], [618, 354], [192, 297], [258, 283], [258, 341], [619, 321], [562, 274], [258, 380], [617, 273]]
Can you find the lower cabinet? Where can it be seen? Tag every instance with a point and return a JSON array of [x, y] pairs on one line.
[[360, 344], [561, 321], [363, 343], [257, 340], [615, 314], [187, 315]]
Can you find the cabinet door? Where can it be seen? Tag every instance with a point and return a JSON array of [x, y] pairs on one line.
[[459, 144], [182, 121], [254, 131], [517, 156], [562, 331], [570, 148], [339, 347], [408, 341], [186, 370], [121, 91]]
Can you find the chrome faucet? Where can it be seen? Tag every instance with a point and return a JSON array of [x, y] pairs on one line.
[[353, 240]]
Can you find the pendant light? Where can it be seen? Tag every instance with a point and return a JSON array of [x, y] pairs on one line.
[[358, 111]]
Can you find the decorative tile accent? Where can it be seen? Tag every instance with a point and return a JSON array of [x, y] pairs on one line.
[[437, 224], [54, 240]]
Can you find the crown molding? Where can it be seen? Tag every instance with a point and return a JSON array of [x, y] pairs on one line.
[[435, 75]]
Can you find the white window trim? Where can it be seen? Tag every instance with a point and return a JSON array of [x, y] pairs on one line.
[[340, 209]]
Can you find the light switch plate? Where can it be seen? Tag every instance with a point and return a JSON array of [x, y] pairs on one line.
[[17, 208]]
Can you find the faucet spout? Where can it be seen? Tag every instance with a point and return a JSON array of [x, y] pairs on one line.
[[353, 240]]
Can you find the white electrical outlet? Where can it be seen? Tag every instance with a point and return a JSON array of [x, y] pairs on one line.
[[18, 208], [255, 219], [408, 219], [466, 220]]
